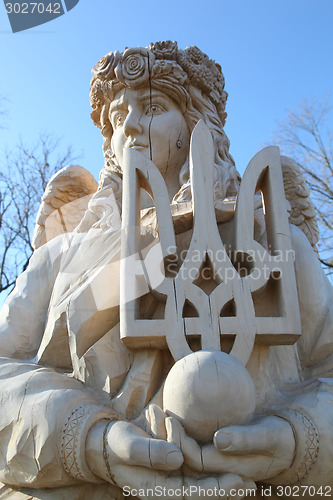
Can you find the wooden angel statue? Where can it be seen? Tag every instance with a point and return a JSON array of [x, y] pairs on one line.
[[173, 334]]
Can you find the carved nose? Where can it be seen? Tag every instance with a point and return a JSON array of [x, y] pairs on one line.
[[132, 125]]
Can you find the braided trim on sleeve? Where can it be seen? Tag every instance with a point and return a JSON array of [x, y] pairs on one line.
[[74, 434], [307, 445]]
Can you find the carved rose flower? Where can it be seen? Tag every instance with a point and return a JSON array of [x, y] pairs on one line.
[[105, 67], [134, 67]]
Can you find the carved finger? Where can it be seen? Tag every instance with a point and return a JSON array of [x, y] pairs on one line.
[[198, 488], [131, 445], [134, 481], [215, 462], [251, 465], [140, 481], [231, 483], [225, 486], [189, 447], [164, 455], [173, 430], [157, 422]]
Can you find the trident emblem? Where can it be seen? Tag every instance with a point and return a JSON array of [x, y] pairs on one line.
[[224, 308]]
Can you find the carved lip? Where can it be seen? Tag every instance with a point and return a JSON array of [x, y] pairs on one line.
[[137, 145]]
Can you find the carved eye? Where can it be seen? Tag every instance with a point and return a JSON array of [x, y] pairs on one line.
[[119, 119], [154, 109]]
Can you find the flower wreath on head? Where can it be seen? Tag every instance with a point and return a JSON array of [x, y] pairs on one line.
[[136, 67]]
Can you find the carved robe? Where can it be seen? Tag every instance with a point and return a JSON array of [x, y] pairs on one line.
[[47, 373]]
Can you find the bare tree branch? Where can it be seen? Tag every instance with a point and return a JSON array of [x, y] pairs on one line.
[[24, 173], [304, 135]]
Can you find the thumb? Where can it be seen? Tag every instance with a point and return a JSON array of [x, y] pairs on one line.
[[262, 437]]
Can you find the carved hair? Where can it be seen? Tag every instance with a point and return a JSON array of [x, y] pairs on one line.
[[188, 76]]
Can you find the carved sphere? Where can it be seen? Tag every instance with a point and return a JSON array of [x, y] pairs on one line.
[[208, 390]]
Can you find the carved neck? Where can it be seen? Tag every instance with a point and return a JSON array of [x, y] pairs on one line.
[[172, 183]]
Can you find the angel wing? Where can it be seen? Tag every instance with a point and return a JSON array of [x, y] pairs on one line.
[[302, 210], [63, 204]]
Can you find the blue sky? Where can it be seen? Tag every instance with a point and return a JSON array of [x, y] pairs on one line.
[[273, 53]]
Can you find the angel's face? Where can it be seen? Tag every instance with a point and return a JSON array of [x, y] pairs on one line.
[[151, 122]]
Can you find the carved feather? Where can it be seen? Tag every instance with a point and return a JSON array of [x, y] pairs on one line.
[[302, 210], [64, 203]]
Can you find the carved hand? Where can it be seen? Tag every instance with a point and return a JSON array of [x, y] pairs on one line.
[[111, 445], [133, 459], [258, 451]]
